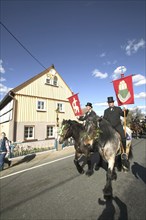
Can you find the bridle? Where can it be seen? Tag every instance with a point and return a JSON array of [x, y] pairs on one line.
[[65, 128]]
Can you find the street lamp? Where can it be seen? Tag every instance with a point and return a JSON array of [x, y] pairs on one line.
[[57, 117], [57, 126]]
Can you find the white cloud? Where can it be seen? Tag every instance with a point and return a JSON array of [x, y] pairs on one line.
[[96, 73], [139, 80], [102, 54], [101, 104], [141, 107], [133, 46], [2, 70], [3, 90], [118, 71], [110, 62], [141, 95], [2, 79]]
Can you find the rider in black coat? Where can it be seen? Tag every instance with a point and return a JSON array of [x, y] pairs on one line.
[[113, 114], [89, 115]]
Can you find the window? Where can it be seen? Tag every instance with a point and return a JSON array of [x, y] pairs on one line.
[[60, 107], [29, 132], [41, 105], [55, 81], [48, 80], [52, 80], [50, 131]]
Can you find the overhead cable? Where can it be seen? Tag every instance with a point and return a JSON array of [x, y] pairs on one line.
[[23, 46]]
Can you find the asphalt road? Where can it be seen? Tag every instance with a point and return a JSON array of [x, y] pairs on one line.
[[48, 187]]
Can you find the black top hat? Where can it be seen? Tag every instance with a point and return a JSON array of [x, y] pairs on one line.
[[110, 99], [89, 104]]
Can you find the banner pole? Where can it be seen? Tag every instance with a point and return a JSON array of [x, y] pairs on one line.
[[125, 122]]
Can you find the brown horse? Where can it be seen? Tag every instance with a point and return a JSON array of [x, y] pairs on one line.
[[83, 143]]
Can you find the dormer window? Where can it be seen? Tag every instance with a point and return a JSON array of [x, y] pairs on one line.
[[55, 81], [49, 80], [52, 80]]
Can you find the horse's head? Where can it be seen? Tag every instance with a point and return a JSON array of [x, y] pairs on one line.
[[65, 131]]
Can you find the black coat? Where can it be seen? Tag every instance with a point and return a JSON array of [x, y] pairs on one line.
[[91, 115], [113, 116]]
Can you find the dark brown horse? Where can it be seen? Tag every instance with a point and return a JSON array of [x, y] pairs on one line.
[[83, 143]]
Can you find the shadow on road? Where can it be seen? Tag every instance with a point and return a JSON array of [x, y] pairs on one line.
[[109, 211], [26, 159], [139, 171]]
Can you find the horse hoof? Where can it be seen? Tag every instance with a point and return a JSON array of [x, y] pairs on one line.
[[114, 176], [81, 171], [96, 168], [89, 172], [107, 192]]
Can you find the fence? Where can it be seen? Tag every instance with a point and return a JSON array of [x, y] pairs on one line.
[[20, 148]]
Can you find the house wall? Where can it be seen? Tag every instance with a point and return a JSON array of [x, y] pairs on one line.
[[39, 88], [25, 109]]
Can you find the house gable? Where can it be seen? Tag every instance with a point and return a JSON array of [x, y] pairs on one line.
[[38, 86]]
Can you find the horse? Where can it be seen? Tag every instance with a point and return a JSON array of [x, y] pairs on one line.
[[83, 143], [110, 149], [103, 139]]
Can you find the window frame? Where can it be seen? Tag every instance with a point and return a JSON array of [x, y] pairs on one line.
[[47, 131], [43, 101], [61, 110], [33, 132]]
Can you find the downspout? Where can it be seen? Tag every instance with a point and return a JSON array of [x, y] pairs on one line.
[[13, 117]]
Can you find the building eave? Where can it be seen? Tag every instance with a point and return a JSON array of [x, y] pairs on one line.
[[7, 98]]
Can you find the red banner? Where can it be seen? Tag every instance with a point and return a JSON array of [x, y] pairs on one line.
[[124, 90], [75, 104]]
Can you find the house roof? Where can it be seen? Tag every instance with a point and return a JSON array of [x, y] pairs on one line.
[[10, 95]]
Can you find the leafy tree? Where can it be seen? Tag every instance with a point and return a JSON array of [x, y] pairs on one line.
[[135, 115]]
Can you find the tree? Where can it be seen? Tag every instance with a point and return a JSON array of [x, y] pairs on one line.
[[135, 115]]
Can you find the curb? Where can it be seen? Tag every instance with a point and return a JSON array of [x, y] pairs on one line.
[[40, 153]]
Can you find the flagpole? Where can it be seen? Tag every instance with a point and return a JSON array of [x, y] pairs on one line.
[[122, 76], [125, 122]]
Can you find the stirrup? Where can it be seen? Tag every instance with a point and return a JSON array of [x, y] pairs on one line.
[[124, 156]]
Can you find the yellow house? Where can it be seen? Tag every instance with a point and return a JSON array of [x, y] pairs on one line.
[[31, 112]]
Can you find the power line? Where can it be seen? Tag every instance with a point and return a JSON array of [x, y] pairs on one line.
[[23, 46]]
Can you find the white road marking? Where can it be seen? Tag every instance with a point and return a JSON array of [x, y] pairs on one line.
[[41, 165]]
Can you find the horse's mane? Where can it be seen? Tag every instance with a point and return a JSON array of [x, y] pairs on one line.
[[75, 124], [107, 131]]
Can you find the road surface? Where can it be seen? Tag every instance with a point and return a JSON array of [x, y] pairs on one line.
[[48, 187]]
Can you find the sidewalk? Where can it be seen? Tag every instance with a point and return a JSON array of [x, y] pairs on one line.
[[37, 158], [64, 151]]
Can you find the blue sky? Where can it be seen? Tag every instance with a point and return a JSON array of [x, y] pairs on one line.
[[87, 41]]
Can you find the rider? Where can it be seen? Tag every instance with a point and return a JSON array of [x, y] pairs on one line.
[[112, 114], [90, 115]]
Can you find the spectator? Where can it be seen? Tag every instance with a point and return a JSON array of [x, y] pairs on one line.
[[4, 151]]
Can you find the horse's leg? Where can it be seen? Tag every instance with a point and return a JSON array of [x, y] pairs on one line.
[[90, 171], [90, 164], [76, 162], [107, 191]]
